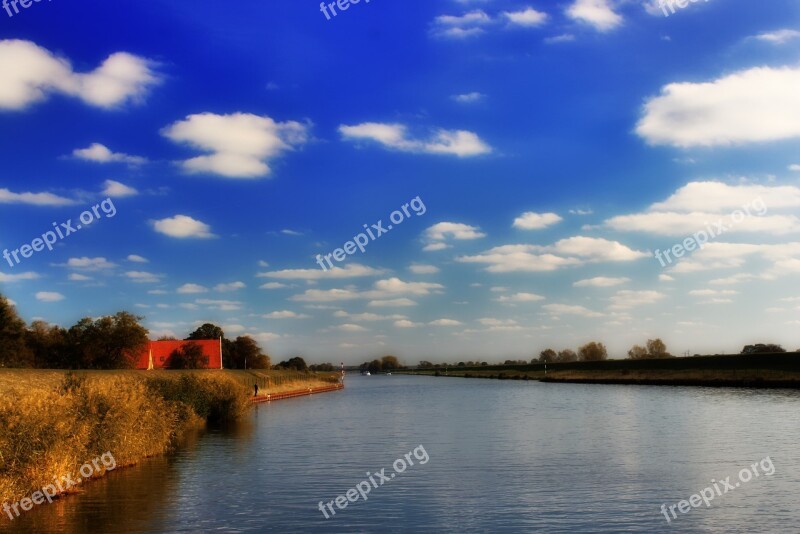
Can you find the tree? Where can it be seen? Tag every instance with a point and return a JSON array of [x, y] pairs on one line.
[[547, 356], [14, 351], [322, 367], [188, 356], [567, 355], [424, 364], [657, 349], [389, 363], [375, 366], [247, 354], [593, 352], [49, 346], [637, 353], [761, 348], [297, 363], [112, 342], [207, 331]]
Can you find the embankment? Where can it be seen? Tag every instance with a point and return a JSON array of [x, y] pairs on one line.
[[752, 371]]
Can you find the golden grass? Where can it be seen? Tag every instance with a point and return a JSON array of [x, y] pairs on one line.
[[52, 422]]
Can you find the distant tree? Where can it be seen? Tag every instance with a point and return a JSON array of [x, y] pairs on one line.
[[484, 364], [461, 364], [375, 366], [762, 348], [14, 351], [49, 346], [637, 353], [593, 352], [567, 355], [111, 342], [207, 331], [547, 356], [297, 363], [322, 367], [425, 364], [245, 353], [657, 349], [390, 363], [167, 338], [188, 356]]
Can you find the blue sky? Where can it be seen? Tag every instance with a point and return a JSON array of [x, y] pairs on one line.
[[555, 147]]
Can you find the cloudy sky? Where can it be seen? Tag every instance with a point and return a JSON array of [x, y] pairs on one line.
[[543, 151]]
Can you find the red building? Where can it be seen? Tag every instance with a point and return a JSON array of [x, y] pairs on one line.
[[157, 353]]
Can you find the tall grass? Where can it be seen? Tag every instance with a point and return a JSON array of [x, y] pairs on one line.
[[49, 430]]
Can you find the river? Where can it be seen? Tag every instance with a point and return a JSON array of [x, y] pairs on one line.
[[488, 456]]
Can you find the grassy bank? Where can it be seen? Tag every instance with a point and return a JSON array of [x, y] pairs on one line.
[[51, 422], [756, 370]]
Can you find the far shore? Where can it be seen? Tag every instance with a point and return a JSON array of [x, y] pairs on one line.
[[773, 370]]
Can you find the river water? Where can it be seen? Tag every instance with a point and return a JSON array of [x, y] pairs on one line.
[[488, 456]]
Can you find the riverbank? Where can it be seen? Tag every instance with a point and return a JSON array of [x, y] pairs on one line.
[[52, 422], [751, 371]]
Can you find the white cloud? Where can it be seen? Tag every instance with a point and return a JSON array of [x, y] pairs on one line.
[[468, 98], [712, 292], [527, 17], [391, 303], [445, 322], [272, 285], [520, 297], [461, 26], [35, 199], [597, 13], [100, 153], [628, 299], [665, 278], [17, 277], [351, 270], [756, 105], [794, 167], [285, 314], [183, 226], [233, 286], [444, 230], [190, 289], [405, 323], [75, 277], [143, 277], [778, 37], [568, 252], [326, 295], [536, 221], [459, 143], [118, 190], [491, 321], [222, 305], [431, 247], [417, 268], [561, 38], [241, 144], [30, 73], [350, 328], [49, 296], [601, 281], [89, 264], [135, 258], [567, 309]]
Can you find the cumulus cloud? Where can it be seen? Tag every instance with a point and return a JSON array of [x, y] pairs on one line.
[[285, 314], [89, 264], [597, 13], [461, 26], [445, 322], [241, 145], [34, 199], [578, 250], [601, 281], [417, 268], [778, 37], [143, 277], [750, 106], [568, 309], [183, 227], [527, 17], [135, 258], [189, 289], [536, 221], [468, 98], [30, 73], [437, 235], [233, 286], [351, 270], [391, 303], [520, 297], [49, 296], [101, 154], [115, 189], [700, 205], [8, 278], [626, 299], [460, 143]]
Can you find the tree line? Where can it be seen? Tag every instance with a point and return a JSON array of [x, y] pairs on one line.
[[111, 342]]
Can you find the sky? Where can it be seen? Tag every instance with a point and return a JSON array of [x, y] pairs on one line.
[[196, 162]]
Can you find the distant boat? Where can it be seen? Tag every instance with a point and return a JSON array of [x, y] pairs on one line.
[[366, 373], [388, 374]]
